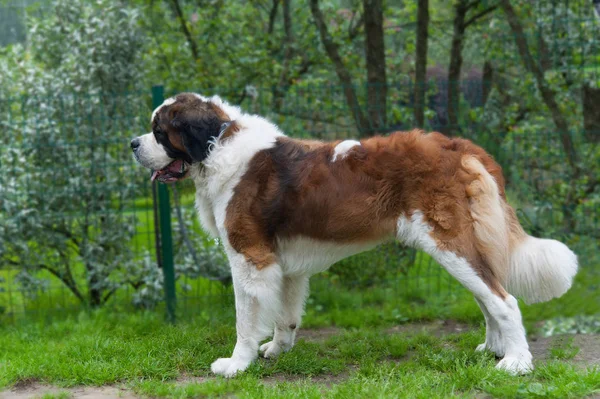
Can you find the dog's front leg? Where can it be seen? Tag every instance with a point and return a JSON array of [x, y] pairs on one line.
[[257, 303], [295, 290]]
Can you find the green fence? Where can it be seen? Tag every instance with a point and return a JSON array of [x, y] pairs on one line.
[[81, 226], [78, 226]]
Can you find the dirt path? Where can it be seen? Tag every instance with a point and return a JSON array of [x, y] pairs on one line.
[[588, 355], [36, 391]]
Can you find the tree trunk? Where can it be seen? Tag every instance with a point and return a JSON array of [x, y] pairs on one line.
[[94, 294], [340, 69], [376, 73], [548, 94], [421, 61], [456, 60], [591, 116], [280, 90], [487, 81]]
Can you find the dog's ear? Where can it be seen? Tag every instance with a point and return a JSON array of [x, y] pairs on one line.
[[197, 129]]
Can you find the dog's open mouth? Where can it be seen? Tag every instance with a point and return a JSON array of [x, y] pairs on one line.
[[174, 171]]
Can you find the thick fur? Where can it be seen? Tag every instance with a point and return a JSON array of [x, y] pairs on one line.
[[540, 269], [535, 269], [286, 209]]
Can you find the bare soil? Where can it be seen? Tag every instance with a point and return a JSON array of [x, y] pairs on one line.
[[34, 390]]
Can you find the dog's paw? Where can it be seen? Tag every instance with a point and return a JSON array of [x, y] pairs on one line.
[[228, 366], [270, 350], [516, 365], [496, 349]]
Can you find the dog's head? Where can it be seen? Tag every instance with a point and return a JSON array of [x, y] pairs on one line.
[[183, 128]]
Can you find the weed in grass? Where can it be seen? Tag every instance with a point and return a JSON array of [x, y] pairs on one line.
[[563, 348]]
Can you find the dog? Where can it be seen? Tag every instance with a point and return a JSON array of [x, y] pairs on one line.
[[286, 209]]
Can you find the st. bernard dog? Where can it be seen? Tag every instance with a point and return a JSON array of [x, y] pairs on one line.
[[286, 209]]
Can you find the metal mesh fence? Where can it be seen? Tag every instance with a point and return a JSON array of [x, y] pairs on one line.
[[76, 216], [78, 225]]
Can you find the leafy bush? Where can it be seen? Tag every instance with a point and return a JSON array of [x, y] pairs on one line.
[[63, 186], [571, 325]]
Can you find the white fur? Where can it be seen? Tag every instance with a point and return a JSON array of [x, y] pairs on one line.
[[233, 111], [258, 293], [151, 154], [493, 339], [489, 219], [225, 165], [341, 150], [168, 101], [541, 269], [272, 298], [294, 293], [503, 313], [303, 255], [206, 215], [230, 161], [299, 258], [258, 303], [537, 269]]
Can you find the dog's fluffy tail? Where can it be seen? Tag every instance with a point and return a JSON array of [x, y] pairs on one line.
[[540, 269], [534, 269]]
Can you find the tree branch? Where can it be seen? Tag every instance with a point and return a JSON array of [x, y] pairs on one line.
[[184, 28], [479, 15], [455, 66], [64, 232], [186, 239], [548, 95], [284, 79], [472, 4], [163, 56], [421, 61], [70, 284], [182, 228], [376, 65], [108, 295], [354, 27], [314, 118], [288, 42], [272, 16], [342, 72]]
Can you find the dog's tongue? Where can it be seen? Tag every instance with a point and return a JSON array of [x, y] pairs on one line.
[[171, 170]]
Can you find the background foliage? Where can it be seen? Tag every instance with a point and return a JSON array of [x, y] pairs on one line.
[[74, 87]]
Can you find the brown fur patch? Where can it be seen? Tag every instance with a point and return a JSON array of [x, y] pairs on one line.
[[187, 107], [293, 189]]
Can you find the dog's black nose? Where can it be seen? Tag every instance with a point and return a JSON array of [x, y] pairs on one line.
[[135, 143]]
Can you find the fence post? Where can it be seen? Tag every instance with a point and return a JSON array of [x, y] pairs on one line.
[[166, 241]]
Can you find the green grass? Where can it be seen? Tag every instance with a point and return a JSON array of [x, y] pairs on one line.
[[563, 349], [60, 345], [142, 353], [59, 395]]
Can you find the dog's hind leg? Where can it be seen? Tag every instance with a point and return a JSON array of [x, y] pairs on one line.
[[257, 303], [294, 292], [493, 337], [502, 308]]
